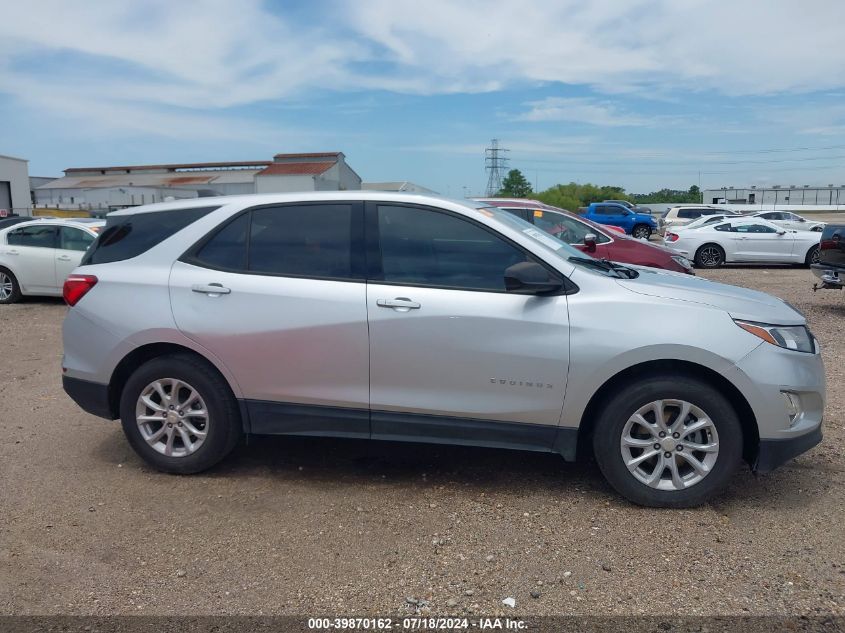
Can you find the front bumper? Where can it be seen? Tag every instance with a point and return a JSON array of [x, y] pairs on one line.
[[773, 453], [91, 396]]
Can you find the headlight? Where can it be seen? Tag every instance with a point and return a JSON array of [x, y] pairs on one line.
[[794, 337], [682, 261]]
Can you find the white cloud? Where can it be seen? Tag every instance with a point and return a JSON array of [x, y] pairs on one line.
[[152, 58], [581, 110]]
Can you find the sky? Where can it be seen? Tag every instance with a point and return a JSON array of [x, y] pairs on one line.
[[639, 93]]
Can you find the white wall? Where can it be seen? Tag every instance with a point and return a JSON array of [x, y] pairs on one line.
[[283, 184], [16, 173]]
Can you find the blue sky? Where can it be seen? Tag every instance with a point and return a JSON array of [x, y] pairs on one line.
[[641, 93]]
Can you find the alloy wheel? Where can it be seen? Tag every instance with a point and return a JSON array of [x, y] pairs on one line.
[[669, 444], [172, 417], [6, 287], [710, 256], [641, 232]]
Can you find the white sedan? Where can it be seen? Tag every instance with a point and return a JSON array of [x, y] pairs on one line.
[[789, 220], [36, 257], [744, 240], [704, 220]]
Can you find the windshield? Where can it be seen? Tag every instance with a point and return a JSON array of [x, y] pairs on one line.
[[529, 230]]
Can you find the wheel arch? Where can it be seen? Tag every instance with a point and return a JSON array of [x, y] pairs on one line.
[[645, 370], [144, 353]]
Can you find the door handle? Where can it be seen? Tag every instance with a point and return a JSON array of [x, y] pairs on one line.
[[63, 258], [211, 289], [400, 304]]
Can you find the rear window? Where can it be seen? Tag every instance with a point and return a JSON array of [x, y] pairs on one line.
[[127, 236]]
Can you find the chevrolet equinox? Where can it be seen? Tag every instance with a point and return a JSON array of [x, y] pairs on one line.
[[415, 318]]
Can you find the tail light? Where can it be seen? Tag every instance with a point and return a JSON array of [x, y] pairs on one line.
[[672, 237], [76, 287]]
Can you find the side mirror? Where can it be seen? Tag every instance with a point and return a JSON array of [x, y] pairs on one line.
[[781, 232], [590, 242], [530, 278]]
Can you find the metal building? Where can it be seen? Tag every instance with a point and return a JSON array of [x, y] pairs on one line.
[[14, 186], [105, 188], [777, 195]]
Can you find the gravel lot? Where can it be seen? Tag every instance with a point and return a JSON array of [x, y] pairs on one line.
[[301, 526]]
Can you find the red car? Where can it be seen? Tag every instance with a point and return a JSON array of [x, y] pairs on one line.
[[609, 242]]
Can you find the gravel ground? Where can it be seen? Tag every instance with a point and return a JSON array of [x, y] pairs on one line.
[[307, 526]]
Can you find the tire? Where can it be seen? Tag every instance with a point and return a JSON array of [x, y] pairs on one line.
[[221, 425], [10, 290], [709, 256], [641, 232], [812, 255], [614, 426]]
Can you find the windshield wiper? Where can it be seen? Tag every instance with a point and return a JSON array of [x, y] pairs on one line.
[[630, 273]]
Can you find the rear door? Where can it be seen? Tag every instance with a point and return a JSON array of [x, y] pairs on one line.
[[278, 294], [453, 356], [72, 244], [31, 252]]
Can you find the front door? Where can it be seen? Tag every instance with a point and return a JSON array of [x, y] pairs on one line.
[[278, 295], [762, 243], [453, 357]]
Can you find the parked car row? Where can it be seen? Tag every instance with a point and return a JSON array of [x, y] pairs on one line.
[[419, 319], [36, 256], [743, 240]]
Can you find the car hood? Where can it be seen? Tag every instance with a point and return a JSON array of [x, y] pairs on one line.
[[740, 303]]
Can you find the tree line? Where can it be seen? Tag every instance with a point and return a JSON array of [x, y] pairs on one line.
[[574, 195]]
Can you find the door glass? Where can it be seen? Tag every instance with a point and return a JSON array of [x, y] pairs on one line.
[[73, 239], [40, 236], [302, 241], [430, 248], [755, 228], [227, 249]]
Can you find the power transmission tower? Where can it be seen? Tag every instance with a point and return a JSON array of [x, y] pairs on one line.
[[495, 163]]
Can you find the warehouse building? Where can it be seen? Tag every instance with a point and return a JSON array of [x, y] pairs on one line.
[[14, 186], [105, 188], [778, 195]]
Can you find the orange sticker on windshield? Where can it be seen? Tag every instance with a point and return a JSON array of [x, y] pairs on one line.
[[538, 213]]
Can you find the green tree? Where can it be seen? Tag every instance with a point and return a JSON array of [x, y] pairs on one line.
[[515, 185]]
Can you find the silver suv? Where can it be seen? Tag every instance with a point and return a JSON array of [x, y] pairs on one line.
[[414, 318]]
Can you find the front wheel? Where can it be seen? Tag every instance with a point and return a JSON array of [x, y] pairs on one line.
[[710, 256], [641, 232], [669, 442], [179, 414]]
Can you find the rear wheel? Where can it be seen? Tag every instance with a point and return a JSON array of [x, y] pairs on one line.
[[10, 290], [668, 442], [812, 255], [179, 414], [641, 232], [710, 256]]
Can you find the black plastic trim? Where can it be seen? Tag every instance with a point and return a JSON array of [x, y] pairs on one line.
[[773, 453], [280, 418], [90, 396]]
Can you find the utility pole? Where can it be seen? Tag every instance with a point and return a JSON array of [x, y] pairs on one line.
[[495, 163]]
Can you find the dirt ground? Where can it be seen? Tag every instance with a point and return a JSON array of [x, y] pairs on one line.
[[316, 526]]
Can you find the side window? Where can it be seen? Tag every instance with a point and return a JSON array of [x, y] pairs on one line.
[[689, 214], [708, 211], [73, 239], [41, 236], [430, 248], [127, 236], [226, 250], [302, 241], [723, 227], [755, 228]]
